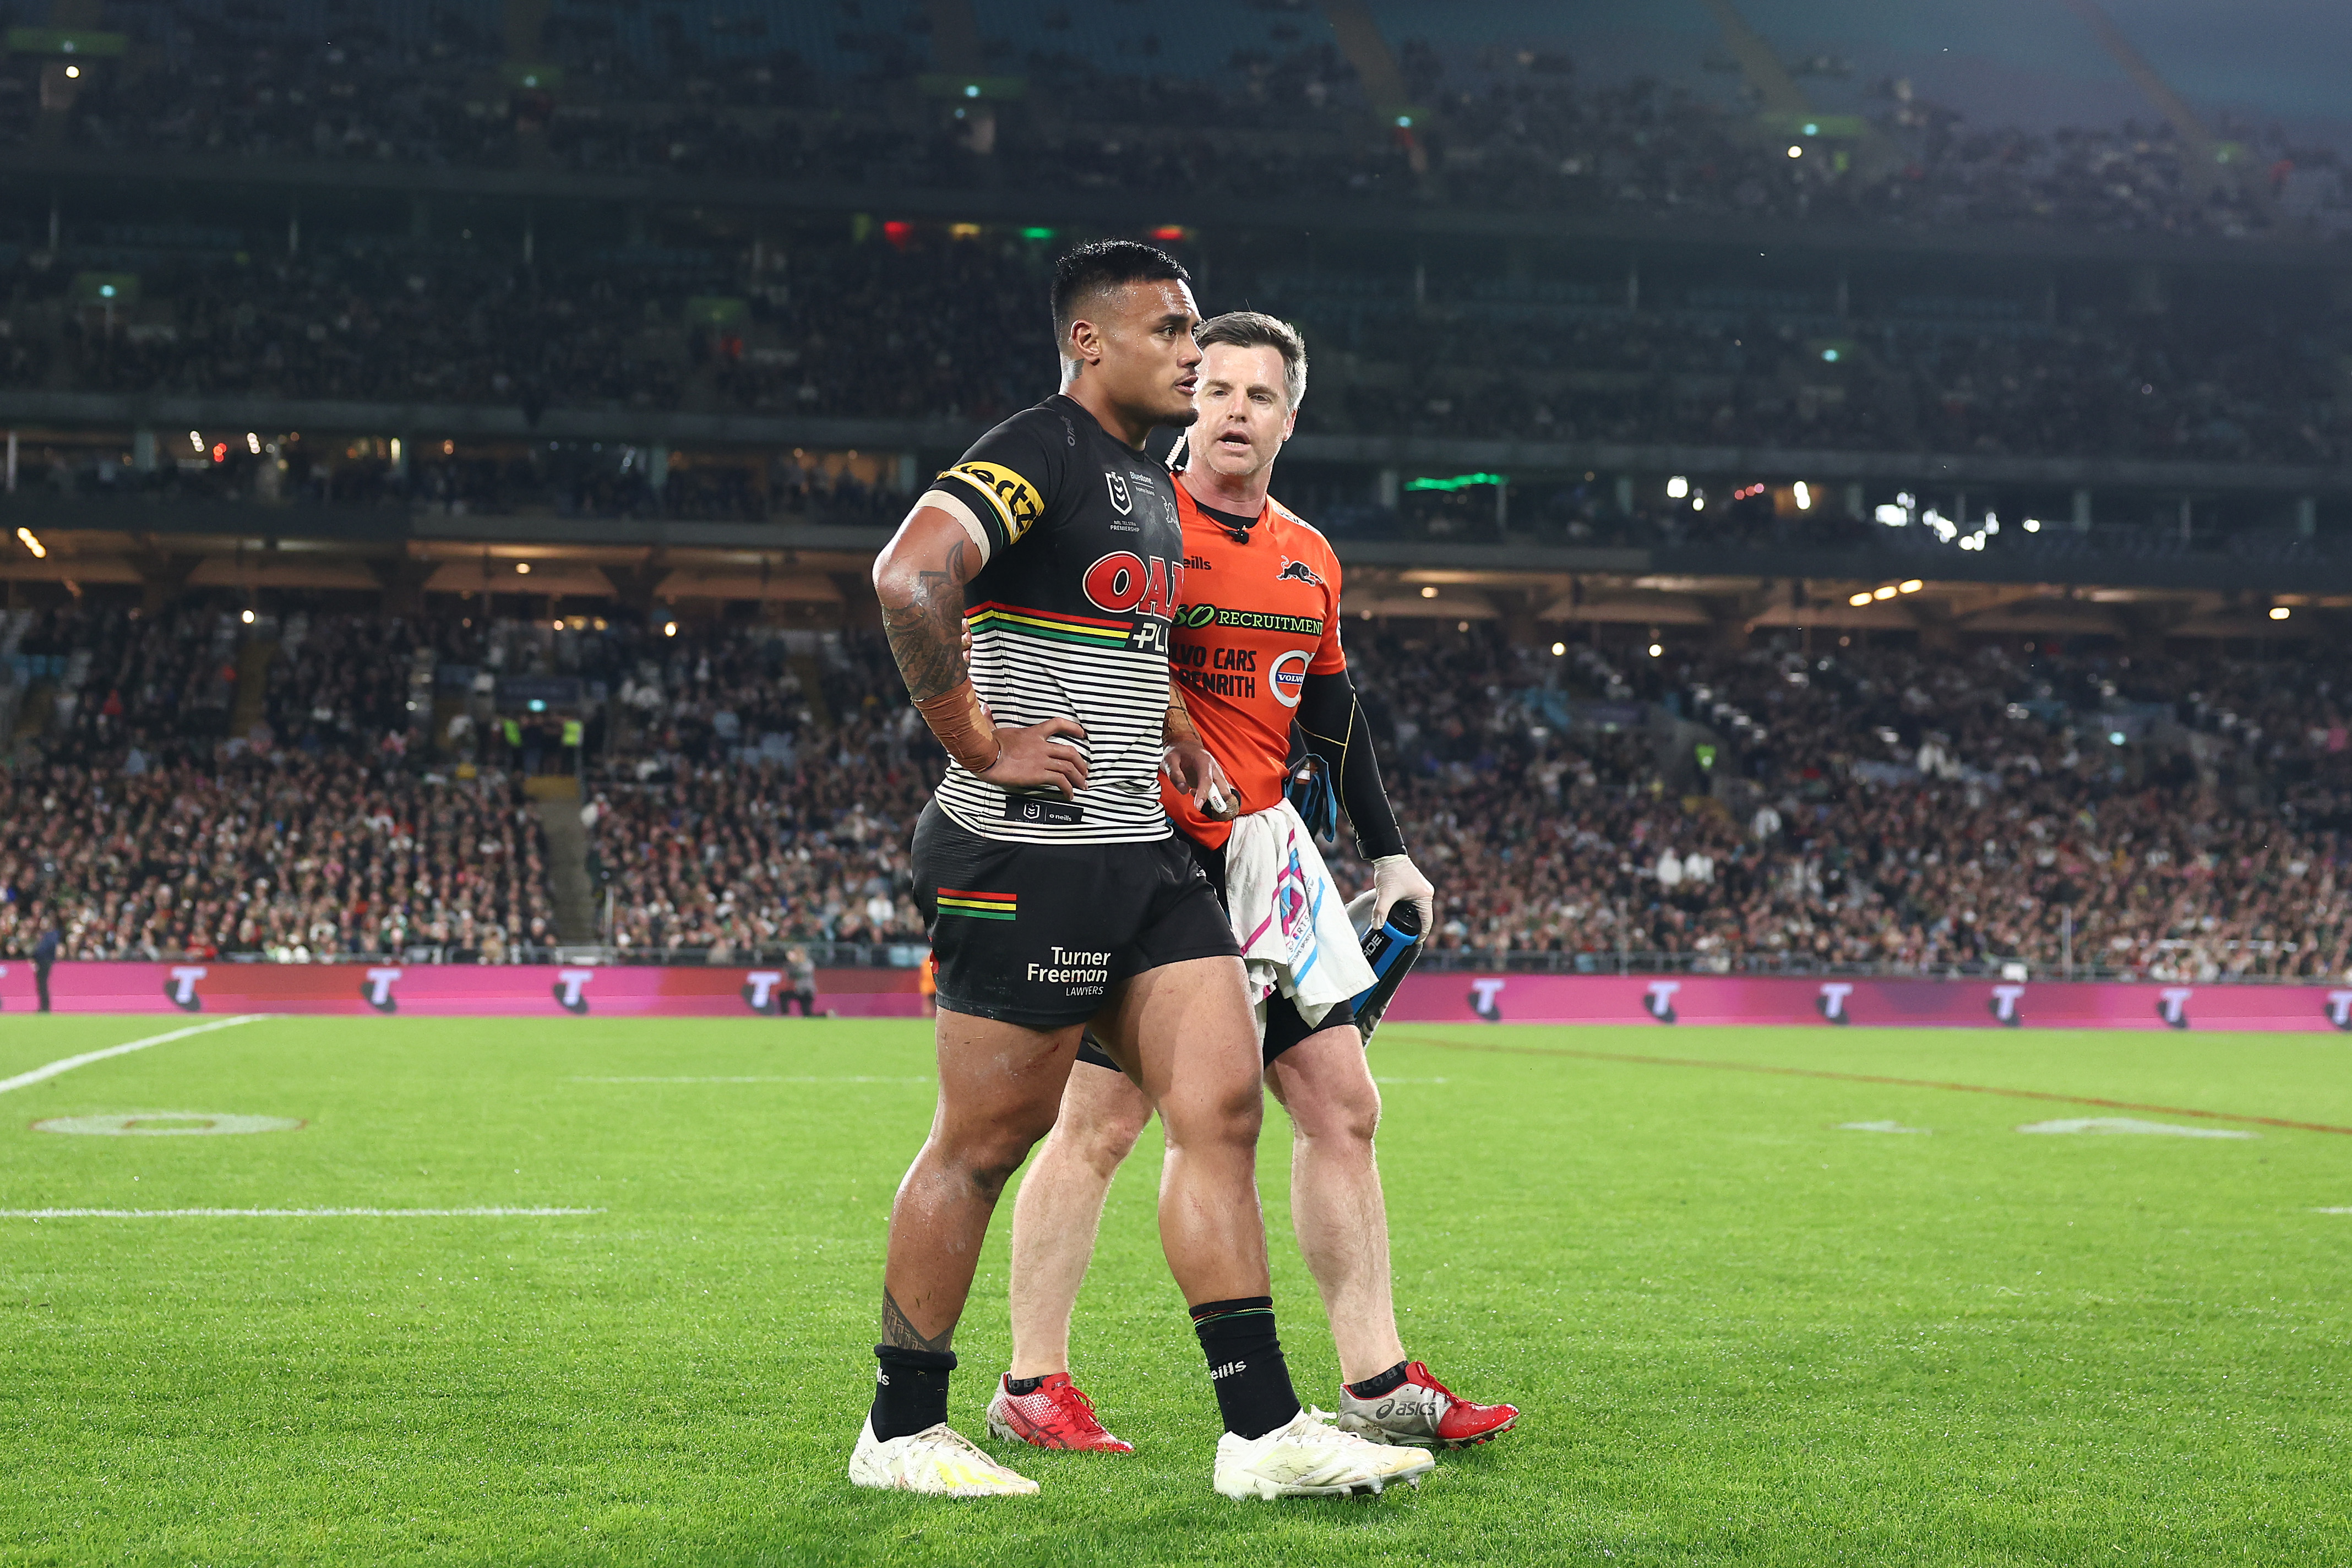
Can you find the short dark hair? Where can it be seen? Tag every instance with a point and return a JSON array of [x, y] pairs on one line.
[[1256, 329], [1105, 265]]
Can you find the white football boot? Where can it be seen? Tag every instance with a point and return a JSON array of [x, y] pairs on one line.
[[1311, 1457], [935, 1461]]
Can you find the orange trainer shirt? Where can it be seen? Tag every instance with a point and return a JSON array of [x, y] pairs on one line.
[[1255, 620]]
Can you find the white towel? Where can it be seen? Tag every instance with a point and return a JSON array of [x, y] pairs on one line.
[[1289, 917]]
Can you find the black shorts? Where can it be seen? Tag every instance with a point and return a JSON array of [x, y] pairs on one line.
[[1284, 1026], [1036, 934]]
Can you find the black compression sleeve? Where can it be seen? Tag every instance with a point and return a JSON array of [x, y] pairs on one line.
[[1334, 727]]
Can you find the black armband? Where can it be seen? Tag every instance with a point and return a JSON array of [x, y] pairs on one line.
[[1334, 728]]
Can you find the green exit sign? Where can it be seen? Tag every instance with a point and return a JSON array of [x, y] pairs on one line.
[[65, 41]]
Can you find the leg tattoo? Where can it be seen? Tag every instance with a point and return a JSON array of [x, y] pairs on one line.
[[897, 1330]]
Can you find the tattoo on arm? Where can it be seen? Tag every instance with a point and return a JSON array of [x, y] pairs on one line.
[[926, 630], [1177, 725], [897, 1330]]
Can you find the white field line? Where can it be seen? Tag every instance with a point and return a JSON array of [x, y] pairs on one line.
[[2331, 1211], [67, 1064], [754, 1081], [291, 1213]]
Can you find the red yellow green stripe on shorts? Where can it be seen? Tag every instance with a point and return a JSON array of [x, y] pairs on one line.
[[978, 906]]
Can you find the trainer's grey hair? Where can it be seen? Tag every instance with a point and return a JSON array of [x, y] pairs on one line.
[[1256, 329]]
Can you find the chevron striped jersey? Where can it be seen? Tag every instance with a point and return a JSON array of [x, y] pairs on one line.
[[1069, 616]]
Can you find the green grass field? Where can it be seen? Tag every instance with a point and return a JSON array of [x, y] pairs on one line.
[[1738, 1331]]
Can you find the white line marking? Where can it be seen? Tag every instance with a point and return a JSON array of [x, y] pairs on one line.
[[136, 1124], [67, 1064], [2128, 1124], [2331, 1211], [287, 1214], [752, 1080], [1880, 1127]]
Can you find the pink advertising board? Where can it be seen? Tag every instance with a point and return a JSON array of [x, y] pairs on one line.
[[452, 991], [1678, 1000], [632, 990]]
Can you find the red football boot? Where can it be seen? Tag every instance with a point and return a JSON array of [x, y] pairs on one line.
[[1058, 1416], [1425, 1414]]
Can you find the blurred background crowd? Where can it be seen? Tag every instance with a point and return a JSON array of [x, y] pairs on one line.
[[1586, 809]]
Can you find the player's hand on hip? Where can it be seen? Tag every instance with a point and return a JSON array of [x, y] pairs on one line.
[[1193, 769], [1397, 881], [1040, 756]]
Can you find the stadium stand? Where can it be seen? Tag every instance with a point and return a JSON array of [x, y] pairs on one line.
[[322, 330], [834, 330], [1894, 813], [1505, 130]]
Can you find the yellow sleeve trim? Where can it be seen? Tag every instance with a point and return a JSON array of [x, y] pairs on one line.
[[1017, 503]]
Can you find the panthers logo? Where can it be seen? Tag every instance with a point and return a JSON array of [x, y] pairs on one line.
[[1014, 498], [1296, 571]]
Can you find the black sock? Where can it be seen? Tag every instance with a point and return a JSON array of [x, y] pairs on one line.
[[1379, 1382], [1245, 1364], [911, 1389], [1019, 1386]]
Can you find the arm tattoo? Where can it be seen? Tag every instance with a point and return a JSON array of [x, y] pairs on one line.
[[926, 631], [897, 1330], [1177, 725]]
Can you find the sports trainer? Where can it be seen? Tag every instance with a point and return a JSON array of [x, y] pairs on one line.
[[1257, 649], [1056, 893]]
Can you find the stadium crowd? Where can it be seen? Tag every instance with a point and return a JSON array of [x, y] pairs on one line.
[[2169, 818], [1501, 127], [909, 328], [194, 852]]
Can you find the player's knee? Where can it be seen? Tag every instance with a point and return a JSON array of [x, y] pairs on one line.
[[989, 1165], [1112, 1138], [1235, 1116], [1350, 1117], [986, 1156]]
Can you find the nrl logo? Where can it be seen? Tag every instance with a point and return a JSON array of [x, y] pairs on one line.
[[1121, 502]]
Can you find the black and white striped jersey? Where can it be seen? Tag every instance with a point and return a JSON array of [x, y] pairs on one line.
[[1083, 570]]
